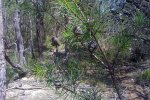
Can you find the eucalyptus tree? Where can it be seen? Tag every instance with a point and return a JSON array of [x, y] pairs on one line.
[[19, 38], [39, 24], [2, 59]]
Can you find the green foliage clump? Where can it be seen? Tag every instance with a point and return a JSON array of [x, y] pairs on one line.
[[10, 73], [91, 94], [42, 70], [74, 70], [140, 19], [144, 79], [49, 73], [122, 42], [48, 42], [39, 70]]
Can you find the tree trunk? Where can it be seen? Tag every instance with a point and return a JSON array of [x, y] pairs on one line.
[[39, 25], [31, 38], [38, 33], [2, 59], [19, 39]]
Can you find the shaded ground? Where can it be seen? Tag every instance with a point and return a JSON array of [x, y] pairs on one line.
[[28, 88], [131, 90]]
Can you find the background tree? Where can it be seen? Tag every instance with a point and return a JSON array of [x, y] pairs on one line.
[[19, 38], [2, 58]]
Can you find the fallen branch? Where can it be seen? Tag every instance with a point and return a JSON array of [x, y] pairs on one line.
[[16, 67], [26, 88]]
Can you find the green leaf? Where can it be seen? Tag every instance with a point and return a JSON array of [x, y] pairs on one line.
[[139, 18], [72, 7]]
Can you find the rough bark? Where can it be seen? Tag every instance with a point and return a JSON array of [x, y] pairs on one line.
[[19, 39], [39, 25], [2, 59], [38, 34], [31, 39]]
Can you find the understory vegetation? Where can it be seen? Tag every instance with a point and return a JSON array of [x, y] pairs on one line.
[[77, 47]]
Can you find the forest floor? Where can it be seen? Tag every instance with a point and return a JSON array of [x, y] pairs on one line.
[[130, 89], [29, 88]]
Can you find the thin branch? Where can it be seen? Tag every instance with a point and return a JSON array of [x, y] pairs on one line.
[[110, 68], [100, 60]]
